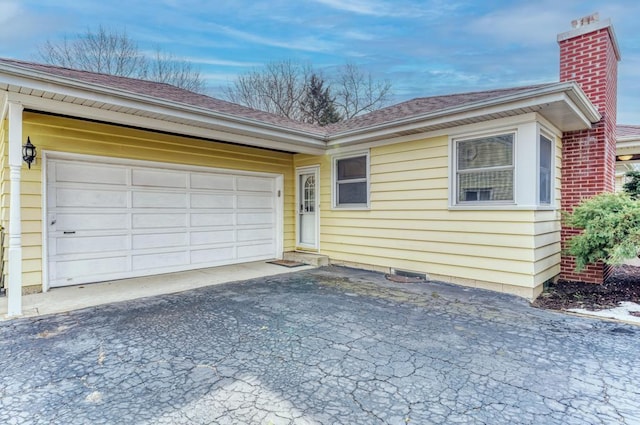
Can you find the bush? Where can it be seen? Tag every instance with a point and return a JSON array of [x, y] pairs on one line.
[[610, 226]]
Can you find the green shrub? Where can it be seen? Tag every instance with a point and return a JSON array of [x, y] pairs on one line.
[[632, 187], [610, 226]]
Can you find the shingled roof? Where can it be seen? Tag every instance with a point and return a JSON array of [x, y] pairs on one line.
[[163, 91], [400, 112], [627, 131], [425, 105]]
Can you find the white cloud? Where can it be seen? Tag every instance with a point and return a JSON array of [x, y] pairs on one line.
[[309, 44]]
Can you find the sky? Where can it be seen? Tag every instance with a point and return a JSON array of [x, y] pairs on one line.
[[423, 47]]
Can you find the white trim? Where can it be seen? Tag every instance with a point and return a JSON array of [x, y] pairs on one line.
[[197, 127], [45, 222], [52, 155], [453, 165], [279, 216], [526, 165], [334, 199], [568, 93], [315, 169], [42, 81], [542, 132], [14, 294], [194, 120]]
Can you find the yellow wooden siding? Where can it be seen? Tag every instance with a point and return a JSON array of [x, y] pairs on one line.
[[51, 133], [409, 225]]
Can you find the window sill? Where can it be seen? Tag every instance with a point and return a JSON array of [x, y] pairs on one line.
[[351, 208], [502, 207]]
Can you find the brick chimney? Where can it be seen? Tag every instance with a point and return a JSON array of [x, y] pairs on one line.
[[589, 55]]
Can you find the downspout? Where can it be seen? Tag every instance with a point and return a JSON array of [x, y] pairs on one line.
[[14, 289]]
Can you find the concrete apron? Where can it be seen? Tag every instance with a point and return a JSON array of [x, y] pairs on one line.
[[59, 300]]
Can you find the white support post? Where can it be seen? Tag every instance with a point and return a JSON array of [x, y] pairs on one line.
[[14, 290]]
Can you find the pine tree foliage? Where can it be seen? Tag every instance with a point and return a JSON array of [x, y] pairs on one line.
[[632, 186], [610, 224], [318, 107]]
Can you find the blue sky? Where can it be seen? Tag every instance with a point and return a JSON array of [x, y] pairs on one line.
[[424, 47]]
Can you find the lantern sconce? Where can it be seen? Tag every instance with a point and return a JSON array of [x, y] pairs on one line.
[[29, 152]]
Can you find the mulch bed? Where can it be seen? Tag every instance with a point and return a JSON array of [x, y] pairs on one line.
[[622, 285]]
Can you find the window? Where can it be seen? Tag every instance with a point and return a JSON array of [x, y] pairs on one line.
[[484, 169], [544, 171], [351, 181]]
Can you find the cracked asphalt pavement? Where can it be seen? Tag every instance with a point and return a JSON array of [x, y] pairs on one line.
[[325, 346]]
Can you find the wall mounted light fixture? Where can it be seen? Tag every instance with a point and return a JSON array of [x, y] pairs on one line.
[[29, 152], [625, 157]]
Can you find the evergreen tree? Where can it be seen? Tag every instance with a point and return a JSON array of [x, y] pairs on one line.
[[318, 107]]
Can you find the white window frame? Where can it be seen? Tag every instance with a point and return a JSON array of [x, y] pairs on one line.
[[526, 150], [455, 173], [552, 187], [334, 181]]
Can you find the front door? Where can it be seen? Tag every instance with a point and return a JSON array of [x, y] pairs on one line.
[[307, 207]]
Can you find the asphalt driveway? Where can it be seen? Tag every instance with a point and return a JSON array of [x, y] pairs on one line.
[[328, 346]]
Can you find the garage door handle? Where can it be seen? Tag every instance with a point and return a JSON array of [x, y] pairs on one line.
[[70, 233]]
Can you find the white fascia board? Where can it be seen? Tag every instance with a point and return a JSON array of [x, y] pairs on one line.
[[470, 111], [561, 92], [80, 111], [34, 80], [625, 145], [4, 105]]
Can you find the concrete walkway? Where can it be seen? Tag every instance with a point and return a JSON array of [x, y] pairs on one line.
[[322, 346], [59, 300]]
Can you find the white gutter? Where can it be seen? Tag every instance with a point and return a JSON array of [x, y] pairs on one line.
[[419, 121]]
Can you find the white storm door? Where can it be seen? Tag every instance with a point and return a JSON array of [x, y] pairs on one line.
[[308, 218]]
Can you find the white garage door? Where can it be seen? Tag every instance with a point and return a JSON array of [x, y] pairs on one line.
[[111, 221]]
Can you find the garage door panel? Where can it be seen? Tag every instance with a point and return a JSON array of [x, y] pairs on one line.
[[95, 198], [160, 260], [255, 218], [78, 269], [255, 251], [220, 255], [255, 184], [134, 220], [158, 178], [159, 240], [212, 201], [212, 181], [212, 219], [89, 244], [93, 221], [158, 200], [252, 201], [86, 173], [248, 235], [212, 237], [154, 221]]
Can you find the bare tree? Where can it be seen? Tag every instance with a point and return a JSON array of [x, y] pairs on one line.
[[282, 87], [357, 92], [277, 88], [167, 68], [112, 52]]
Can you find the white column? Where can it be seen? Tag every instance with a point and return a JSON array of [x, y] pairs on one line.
[[14, 290]]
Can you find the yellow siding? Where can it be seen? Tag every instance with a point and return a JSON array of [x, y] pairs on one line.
[[409, 225], [50, 133]]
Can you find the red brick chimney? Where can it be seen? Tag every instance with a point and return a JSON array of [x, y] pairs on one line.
[[589, 55]]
